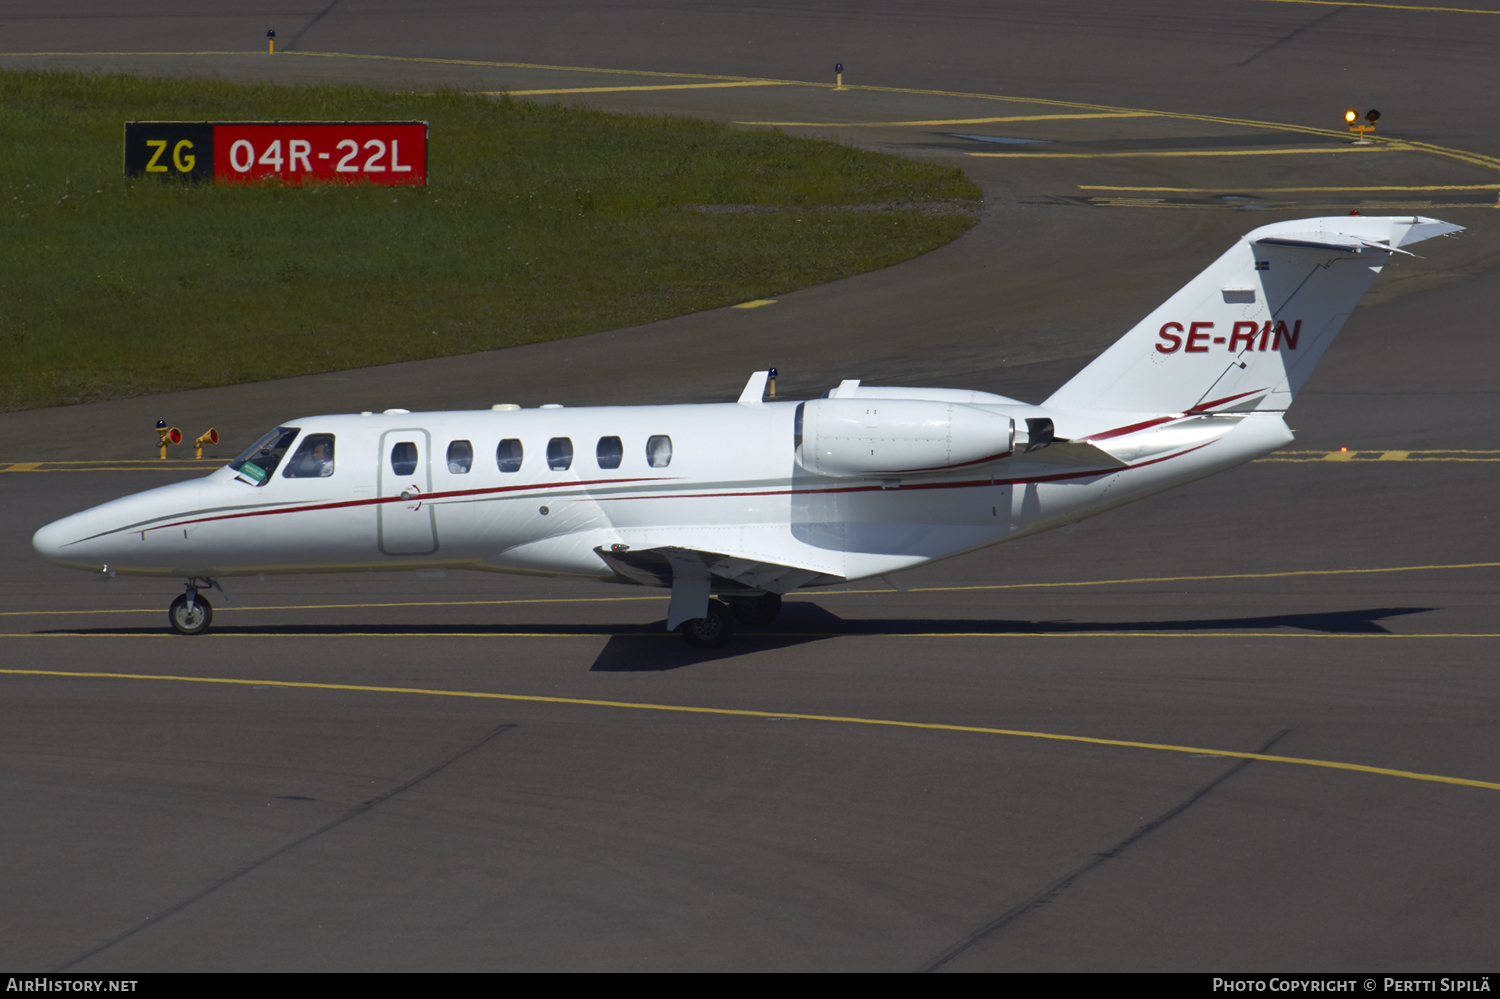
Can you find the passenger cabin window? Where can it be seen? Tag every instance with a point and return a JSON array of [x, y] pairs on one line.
[[560, 454], [609, 452], [659, 451], [460, 457], [404, 458], [508, 455], [261, 458], [314, 458]]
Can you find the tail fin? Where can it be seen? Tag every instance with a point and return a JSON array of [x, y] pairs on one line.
[[1245, 334]]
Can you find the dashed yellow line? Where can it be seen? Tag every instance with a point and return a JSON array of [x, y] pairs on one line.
[[755, 303], [950, 121], [1381, 455], [743, 713]]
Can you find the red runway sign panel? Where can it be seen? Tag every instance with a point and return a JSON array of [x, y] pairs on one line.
[[392, 153]]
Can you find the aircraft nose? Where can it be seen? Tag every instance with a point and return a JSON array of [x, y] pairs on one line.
[[58, 542]]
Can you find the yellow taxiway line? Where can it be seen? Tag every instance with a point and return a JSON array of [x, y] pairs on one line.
[[743, 713], [659, 86], [1134, 154], [428, 632], [822, 593], [1292, 190], [1388, 6], [1477, 159], [949, 121]]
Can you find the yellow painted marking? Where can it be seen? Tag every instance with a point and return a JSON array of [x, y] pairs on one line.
[[743, 713], [819, 593], [1291, 190], [757, 303], [369, 606], [1186, 579], [659, 86], [950, 121], [1192, 152], [417, 632], [24, 466], [1477, 159], [1388, 6], [1413, 456]]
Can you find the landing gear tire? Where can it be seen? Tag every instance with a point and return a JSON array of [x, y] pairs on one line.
[[191, 619], [756, 612], [711, 632]]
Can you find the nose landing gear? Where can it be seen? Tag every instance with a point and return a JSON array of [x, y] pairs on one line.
[[190, 613]]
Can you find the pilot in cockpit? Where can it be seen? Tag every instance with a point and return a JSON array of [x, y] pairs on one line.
[[314, 458]]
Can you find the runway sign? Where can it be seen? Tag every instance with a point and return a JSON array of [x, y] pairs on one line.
[[393, 153]]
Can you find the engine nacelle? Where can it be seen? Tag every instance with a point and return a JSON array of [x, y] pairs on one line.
[[898, 436]]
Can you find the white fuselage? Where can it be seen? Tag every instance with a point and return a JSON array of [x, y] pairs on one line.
[[734, 485]]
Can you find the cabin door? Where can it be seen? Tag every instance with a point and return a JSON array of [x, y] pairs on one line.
[[406, 524]]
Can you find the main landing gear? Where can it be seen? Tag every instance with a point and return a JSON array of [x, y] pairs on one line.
[[190, 613], [715, 630], [711, 632], [757, 611]]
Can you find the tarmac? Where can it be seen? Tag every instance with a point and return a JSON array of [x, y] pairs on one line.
[[1246, 725]]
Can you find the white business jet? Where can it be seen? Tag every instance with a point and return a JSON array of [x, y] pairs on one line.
[[746, 501]]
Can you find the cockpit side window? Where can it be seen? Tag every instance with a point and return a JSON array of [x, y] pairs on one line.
[[261, 458], [460, 457], [313, 460], [659, 451]]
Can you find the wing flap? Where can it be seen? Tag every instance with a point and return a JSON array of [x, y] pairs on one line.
[[659, 566]]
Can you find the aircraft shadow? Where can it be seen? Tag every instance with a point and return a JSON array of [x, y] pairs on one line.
[[802, 622]]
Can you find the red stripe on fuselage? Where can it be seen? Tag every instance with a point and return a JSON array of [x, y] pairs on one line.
[[1058, 477], [374, 500]]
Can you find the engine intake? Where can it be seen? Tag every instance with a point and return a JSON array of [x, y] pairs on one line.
[[898, 436]]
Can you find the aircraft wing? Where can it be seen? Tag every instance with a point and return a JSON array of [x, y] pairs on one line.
[[661, 565]]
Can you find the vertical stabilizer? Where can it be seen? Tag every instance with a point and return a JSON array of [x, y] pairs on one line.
[[1246, 333]]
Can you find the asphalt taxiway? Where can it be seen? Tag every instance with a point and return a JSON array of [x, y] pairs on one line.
[[1245, 725]]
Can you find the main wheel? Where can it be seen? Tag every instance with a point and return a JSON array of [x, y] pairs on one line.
[[711, 632], [758, 611], [192, 620]]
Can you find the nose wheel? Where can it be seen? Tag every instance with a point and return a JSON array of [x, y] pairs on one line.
[[190, 614]]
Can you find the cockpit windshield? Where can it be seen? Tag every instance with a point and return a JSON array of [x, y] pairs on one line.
[[261, 458]]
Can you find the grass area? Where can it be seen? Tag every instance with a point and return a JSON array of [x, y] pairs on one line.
[[539, 223]]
